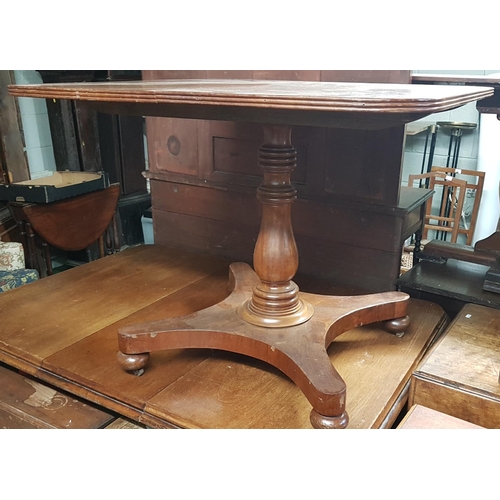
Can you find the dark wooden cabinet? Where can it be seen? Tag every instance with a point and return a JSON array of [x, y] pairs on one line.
[[351, 217]]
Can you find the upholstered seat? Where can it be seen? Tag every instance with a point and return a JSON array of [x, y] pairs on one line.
[[12, 269], [14, 279]]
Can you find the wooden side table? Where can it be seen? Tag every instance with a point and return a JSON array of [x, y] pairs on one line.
[[265, 316], [70, 224]]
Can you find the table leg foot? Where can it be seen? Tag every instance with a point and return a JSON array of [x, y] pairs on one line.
[[323, 422], [133, 363], [397, 326]]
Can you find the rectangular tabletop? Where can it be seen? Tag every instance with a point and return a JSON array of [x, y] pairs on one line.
[[351, 105], [63, 330]]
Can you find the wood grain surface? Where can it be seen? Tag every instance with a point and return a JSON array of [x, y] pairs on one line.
[[59, 310], [460, 376], [266, 101], [420, 417], [74, 348], [230, 391], [332, 96]]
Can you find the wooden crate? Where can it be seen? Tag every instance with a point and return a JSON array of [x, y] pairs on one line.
[[460, 376]]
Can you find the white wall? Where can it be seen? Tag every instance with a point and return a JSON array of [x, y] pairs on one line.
[[35, 121]]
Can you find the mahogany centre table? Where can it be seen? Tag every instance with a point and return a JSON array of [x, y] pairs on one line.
[[265, 315]]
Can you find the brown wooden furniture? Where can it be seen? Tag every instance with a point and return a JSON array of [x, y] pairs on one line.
[[460, 376], [71, 224], [420, 417], [48, 332], [476, 187], [452, 194], [349, 212], [265, 316]]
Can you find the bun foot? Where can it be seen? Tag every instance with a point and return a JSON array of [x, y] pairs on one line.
[[133, 363], [322, 422], [397, 326]]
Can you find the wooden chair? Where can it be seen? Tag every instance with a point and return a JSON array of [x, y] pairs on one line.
[[453, 197], [477, 187], [71, 224]]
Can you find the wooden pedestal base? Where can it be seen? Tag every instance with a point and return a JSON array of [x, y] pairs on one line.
[[298, 351]]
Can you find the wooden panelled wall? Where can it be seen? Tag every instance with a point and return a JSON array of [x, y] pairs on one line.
[[204, 174]]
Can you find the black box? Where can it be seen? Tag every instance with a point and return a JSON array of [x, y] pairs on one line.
[[57, 186]]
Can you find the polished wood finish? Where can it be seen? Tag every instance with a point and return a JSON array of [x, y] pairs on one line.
[[332, 104], [74, 223], [238, 392], [118, 286], [71, 224], [219, 327], [74, 348], [420, 417], [374, 159], [351, 219], [275, 301], [460, 377], [221, 153], [25, 403]]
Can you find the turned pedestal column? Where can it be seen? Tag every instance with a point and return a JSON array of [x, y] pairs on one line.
[[265, 315], [275, 301]]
